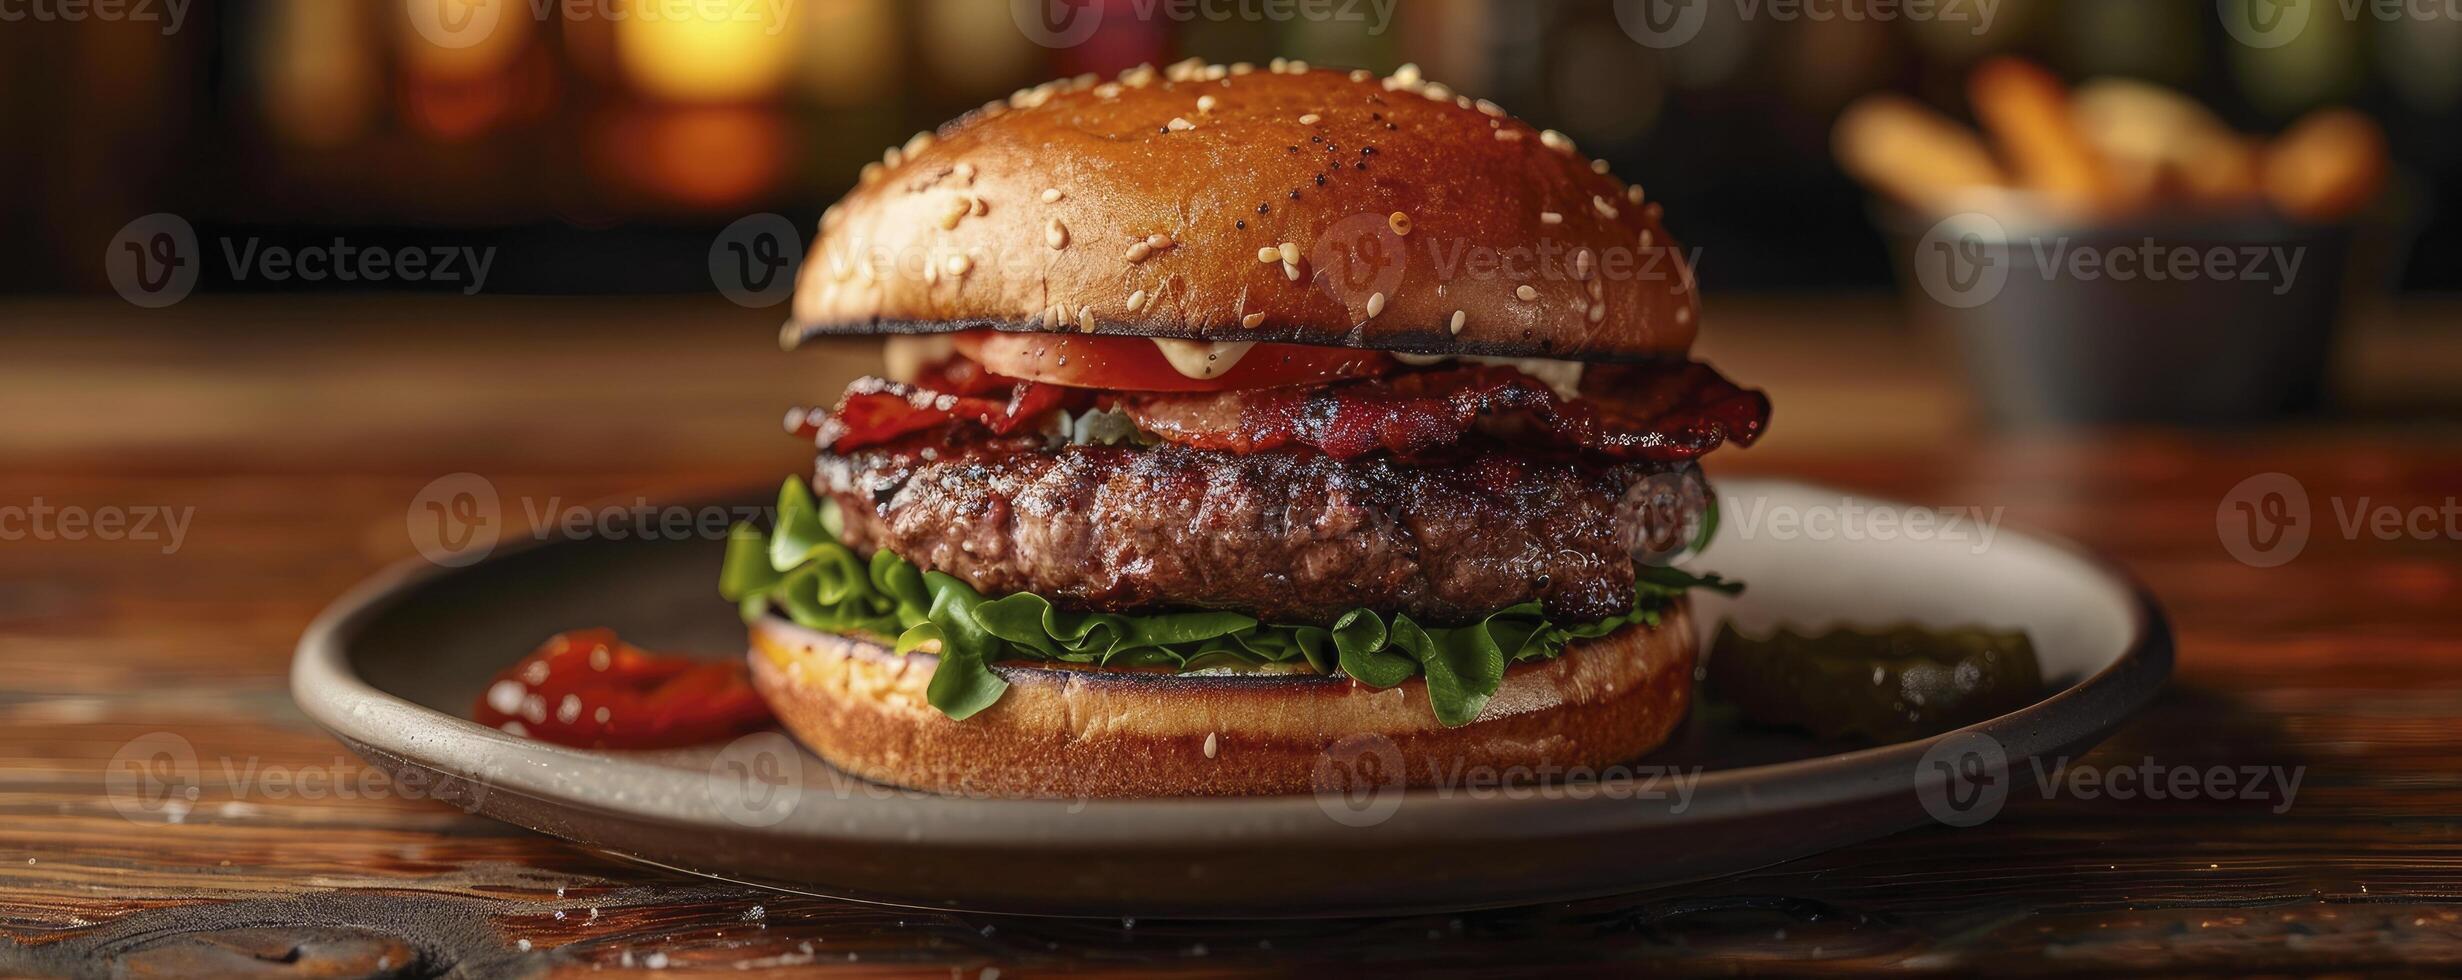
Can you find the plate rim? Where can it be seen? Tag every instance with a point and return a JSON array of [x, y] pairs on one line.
[[332, 694]]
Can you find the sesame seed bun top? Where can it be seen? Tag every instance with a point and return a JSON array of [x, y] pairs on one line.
[[1227, 203]]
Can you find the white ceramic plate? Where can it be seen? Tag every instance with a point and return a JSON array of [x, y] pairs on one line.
[[392, 669]]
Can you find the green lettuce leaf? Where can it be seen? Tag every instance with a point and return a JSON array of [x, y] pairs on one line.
[[802, 570]]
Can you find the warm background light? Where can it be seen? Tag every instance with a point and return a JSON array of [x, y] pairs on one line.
[[733, 54]]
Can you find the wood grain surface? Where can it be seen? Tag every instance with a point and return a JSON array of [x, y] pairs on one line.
[[295, 434]]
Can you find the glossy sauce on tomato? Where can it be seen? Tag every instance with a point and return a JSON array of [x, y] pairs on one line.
[[588, 689]]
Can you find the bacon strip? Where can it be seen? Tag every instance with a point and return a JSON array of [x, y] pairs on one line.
[[876, 410], [1655, 412], [1633, 412]]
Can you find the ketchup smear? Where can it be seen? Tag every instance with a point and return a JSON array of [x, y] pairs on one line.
[[588, 689]]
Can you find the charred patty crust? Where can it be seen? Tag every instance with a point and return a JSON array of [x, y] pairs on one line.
[[1287, 537]]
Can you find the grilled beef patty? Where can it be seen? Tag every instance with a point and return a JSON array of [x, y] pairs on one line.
[[1287, 537]]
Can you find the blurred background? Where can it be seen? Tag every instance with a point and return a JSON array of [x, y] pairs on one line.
[[600, 144]]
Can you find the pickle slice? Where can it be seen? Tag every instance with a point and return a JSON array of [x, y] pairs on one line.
[[1889, 685]]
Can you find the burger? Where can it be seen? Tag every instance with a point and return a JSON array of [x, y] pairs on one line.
[[1233, 416]]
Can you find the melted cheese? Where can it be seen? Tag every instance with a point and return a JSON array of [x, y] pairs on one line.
[[1200, 359]]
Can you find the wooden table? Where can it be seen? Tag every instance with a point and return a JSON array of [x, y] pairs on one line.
[[298, 431]]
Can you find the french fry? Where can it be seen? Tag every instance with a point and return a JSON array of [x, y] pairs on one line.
[[1912, 153], [2161, 143], [2026, 110], [2222, 171], [2327, 166]]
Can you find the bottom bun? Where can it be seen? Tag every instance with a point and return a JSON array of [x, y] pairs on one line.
[[1084, 732]]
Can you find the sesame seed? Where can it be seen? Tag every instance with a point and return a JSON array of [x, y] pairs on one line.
[[1278, 65], [1556, 141], [1290, 270], [1437, 92], [1550, 218], [1056, 234], [1646, 237], [1509, 135], [1138, 77], [1085, 317], [1606, 210], [1399, 222], [1460, 317], [1596, 288], [1525, 293], [1490, 108], [1267, 253], [1242, 68], [1298, 67], [1311, 119], [1408, 74], [1289, 252], [1684, 315], [918, 143], [1139, 252], [871, 172], [1136, 300], [1108, 90], [1582, 261], [960, 265], [1179, 125], [1206, 103], [1598, 166], [1598, 312], [1253, 320], [1376, 304], [964, 172], [1633, 193], [1211, 748], [1053, 195], [955, 212], [1361, 74]]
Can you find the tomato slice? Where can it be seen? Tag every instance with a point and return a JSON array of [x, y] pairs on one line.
[[1136, 364]]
